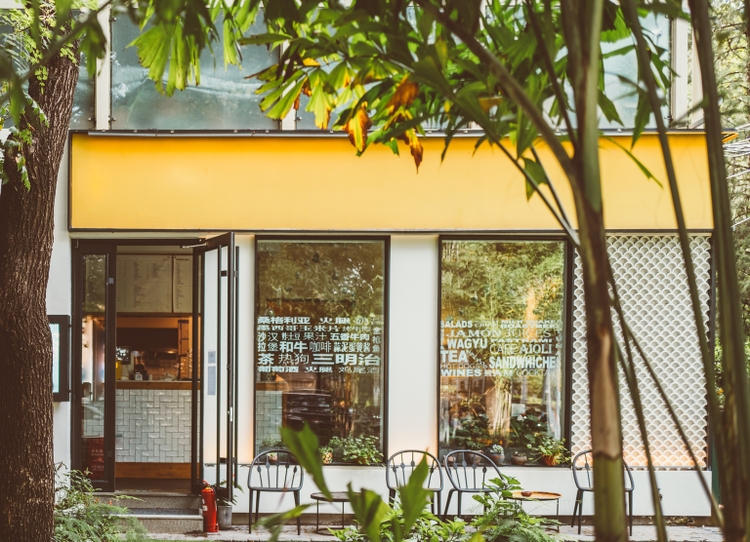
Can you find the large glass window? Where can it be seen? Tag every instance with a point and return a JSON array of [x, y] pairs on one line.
[[320, 344], [224, 100], [501, 344]]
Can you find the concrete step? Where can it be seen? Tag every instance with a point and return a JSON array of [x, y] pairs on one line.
[[161, 512], [148, 499]]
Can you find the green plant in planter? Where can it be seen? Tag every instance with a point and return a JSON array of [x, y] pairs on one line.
[[271, 441], [504, 519], [526, 429], [551, 451], [361, 450]]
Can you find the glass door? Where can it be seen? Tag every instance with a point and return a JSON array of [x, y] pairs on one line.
[[93, 444], [214, 403]]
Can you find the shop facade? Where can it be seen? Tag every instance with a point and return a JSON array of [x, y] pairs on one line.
[[230, 281]]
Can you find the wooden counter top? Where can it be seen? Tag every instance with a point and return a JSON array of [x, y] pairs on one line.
[[154, 385]]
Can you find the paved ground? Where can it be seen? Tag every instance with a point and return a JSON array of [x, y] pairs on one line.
[[641, 533]]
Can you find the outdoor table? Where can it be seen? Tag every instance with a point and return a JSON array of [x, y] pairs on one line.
[[337, 496], [540, 496]]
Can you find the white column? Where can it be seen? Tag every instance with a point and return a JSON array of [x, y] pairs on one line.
[[412, 343], [103, 78]]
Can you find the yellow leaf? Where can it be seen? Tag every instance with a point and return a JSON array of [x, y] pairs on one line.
[[310, 62], [415, 146], [404, 95], [357, 128], [488, 103]]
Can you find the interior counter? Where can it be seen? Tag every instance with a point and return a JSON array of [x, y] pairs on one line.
[[154, 385]]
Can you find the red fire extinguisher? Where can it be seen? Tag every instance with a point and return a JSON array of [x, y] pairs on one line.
[[208, 495]]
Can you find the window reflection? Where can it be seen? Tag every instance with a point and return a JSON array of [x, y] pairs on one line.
[[501, 345], [225, 99], [320, 341]]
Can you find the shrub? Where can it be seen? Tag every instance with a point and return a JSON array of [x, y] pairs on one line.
[[505, 520], [81, 516]]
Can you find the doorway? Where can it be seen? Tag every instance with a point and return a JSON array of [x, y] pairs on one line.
[[134, 378], [158, 320]]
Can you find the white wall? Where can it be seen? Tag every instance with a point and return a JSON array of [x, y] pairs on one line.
[[59, 291], [245, 345], [412, 343]]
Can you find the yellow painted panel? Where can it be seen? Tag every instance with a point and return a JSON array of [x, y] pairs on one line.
[[317, 183]]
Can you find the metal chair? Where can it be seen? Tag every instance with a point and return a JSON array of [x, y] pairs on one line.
[[282, 475], [468, 471], [582, 464], [401, 465]]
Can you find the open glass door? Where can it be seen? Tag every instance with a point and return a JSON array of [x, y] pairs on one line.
[[214, 345], [93, 431]]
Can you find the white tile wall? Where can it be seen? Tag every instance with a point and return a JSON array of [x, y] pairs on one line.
[[269, 415], [153, 426]]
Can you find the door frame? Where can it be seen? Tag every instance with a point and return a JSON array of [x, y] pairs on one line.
[[80, 248], [226, 240]]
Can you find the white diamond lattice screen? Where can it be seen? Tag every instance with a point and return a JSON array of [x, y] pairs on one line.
[[653, 289]]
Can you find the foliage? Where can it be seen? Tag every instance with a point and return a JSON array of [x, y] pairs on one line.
[[504, 519], [526, 429], [427, 528], [223, 485], [495, 449], [362, 450], [516, 69], [80, 516], [271, 441], [552, 449]]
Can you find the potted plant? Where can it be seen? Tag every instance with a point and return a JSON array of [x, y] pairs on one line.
[[326, 454], [518, 458], [270, 442], [224, 506], [552, 451], [360, 450], [496, 453], [273, 457], [473, 458]]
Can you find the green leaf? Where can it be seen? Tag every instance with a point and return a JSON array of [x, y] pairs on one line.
[[305, 446], [608, 108], [413, 496], [17, 98], [369, 510], [154, 47], [536, 171], [640, 164], [340, 76], [276, 522], [62, 10], [282, 107], [264, 39]]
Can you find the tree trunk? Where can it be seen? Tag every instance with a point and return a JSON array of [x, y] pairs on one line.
[[26, 234], [604, 397]]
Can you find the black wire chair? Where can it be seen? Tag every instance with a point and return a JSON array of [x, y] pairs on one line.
[[401, 465], [468, 471], [276, 471], [583, 476]]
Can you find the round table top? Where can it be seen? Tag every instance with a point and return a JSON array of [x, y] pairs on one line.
[[536, 496], [337, 496]]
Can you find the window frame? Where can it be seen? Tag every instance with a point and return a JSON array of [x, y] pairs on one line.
[[386, 243], [62, 355], [568, 303]]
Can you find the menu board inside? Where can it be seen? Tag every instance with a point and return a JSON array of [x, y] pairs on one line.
[[154, 283]]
